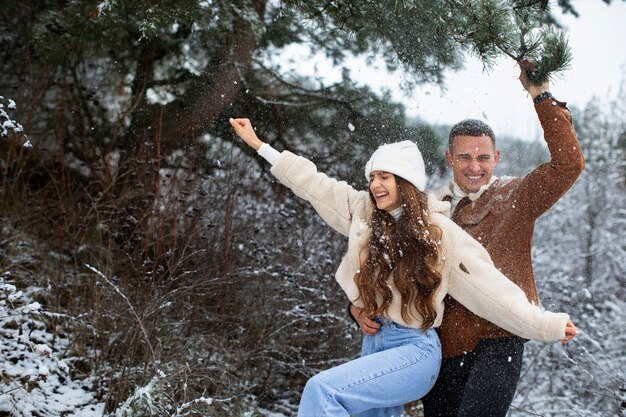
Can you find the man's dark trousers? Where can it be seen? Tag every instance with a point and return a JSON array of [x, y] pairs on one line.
[[480, 383]]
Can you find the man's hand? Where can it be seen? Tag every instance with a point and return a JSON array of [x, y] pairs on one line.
[[570, 332], [533, 89], [368, 326], [243, 129]]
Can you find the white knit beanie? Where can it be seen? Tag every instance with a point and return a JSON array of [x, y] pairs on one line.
[[402, 159]]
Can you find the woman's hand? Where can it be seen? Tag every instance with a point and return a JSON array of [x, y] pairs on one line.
[[368, 326], [243, 129], [570, 332]]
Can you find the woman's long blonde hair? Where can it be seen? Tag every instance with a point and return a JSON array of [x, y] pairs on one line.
[[409, 248]]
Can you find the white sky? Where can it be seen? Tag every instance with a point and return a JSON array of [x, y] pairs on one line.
[[599, 65]]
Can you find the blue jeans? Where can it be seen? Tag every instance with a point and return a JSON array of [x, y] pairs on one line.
[[397, 365]]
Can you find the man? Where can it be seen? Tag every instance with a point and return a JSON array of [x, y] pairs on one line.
[[482, 362]]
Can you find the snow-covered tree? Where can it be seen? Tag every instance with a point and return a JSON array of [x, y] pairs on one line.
[[579, 255]]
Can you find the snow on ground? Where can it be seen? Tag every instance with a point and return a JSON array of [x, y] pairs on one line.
[[35, 376]]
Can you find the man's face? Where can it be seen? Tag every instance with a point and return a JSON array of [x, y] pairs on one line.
[[472, 159]]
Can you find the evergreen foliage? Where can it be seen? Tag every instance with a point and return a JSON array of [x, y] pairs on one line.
[[117, 72], [520, 29]]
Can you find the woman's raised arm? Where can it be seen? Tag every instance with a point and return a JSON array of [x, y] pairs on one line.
[[243, 129], [335, 201]]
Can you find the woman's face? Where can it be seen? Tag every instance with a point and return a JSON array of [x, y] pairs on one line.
[[384, 188]]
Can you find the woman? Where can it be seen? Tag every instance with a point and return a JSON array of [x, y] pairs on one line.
[[404, 256]]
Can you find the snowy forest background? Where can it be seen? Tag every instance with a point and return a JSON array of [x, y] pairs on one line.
[[149, 264]]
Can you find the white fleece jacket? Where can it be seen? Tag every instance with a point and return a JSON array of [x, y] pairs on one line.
[[467, 271]]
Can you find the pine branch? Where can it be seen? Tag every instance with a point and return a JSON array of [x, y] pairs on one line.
[[553, 57], [545, 47], [518, 30]]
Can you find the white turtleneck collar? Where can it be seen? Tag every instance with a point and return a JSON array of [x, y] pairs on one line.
[[457, 194], [396, 213]]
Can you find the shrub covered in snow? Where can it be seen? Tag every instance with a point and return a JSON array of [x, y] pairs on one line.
[[8, 126], [36, 379]]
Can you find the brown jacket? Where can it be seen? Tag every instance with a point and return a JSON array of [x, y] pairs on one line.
[[503, 218]]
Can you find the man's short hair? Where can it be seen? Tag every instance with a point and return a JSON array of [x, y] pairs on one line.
[[471, 127]]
